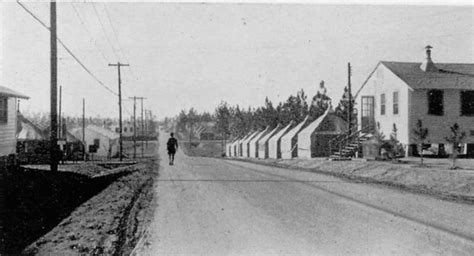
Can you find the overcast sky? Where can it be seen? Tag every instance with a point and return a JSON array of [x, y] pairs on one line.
[[196, 55]]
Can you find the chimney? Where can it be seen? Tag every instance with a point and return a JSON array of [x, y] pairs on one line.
[[428, 65]]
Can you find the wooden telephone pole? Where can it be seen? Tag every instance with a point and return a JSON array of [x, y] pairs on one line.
[[134, 126], [118, 65], [53, 153], [142, 129], [349, 112]]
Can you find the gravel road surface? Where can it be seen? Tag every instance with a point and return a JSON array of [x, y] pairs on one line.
[[219, 207]]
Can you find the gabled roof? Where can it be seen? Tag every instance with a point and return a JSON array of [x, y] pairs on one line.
[[315, 124], [448, 76], [282, 132], [4, 91], [296, 129]]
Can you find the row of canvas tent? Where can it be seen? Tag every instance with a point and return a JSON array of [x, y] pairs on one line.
[[306, 139]]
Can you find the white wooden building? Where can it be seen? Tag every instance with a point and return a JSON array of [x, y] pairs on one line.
[[397, 94], [106, 141], [8, 120]]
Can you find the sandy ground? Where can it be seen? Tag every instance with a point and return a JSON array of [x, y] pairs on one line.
[[209, 206]]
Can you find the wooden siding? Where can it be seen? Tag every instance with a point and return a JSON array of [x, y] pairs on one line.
[[8, 130]]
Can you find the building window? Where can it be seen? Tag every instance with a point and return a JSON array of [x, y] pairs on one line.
[[467, 103], [435, 102], [3, 109], [117, 130], [382, 104], [395, 103], [125, 129], [97, 143]]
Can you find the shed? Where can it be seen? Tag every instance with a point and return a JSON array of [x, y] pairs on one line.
[[290, 140], [8, 120], [105, 141], [274, 149], [313, 141], [253, 144], [263, 143], [245, 144]]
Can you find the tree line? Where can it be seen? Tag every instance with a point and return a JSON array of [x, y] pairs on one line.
[[237, 121]]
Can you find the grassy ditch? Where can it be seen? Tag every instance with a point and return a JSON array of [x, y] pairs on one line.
[[110, 222], [36, 201]]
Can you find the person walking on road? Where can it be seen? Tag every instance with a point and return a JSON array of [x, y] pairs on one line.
[[172, 146]]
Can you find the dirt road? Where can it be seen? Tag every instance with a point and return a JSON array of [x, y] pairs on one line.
[[218, 207]]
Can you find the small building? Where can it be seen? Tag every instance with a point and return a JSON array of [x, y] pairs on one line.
[[8, 120], [253, 144], [104, 141], [29, 130], [274, 143], [263, 143], [246, 143], [398, 94], [313, 140], [289, 141]]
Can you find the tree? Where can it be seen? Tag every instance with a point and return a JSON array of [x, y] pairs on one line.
[[342, 109], [192, 118], [420, 133], [319, 103], [455, 139], [379, 138], [397, 149], [223, 117]]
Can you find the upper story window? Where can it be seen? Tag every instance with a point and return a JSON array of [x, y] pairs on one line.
[[382, 104], [395, 103], [467, 103], [3, 110], [435, 102]]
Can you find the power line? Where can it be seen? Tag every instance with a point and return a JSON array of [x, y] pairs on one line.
[[69, 51], [105, 32], [88, 31], [116, 38]]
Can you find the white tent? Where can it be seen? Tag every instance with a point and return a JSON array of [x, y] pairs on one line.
[[229, 148], [253, 144], [245, 144], [314, 139], [234, 147], [289, 141], [240, 145], [263, 143], [274, 150], [304, 136]]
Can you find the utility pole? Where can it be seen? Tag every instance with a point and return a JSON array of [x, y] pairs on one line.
[[118, 65], [53, 90], [142, 128], [134, 126], [146, 127], [349, 114], [60, 130], [84, 127]]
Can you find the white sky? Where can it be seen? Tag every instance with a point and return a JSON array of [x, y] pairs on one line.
[[195, 55]]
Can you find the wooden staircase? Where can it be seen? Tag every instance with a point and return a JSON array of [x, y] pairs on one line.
[[346, 146]]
